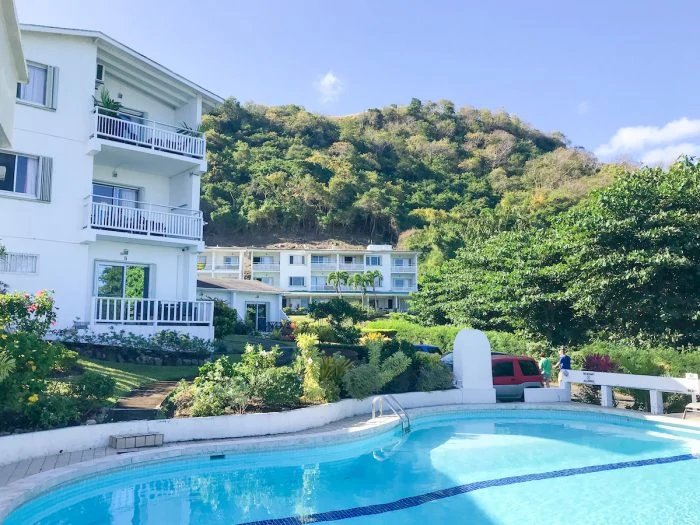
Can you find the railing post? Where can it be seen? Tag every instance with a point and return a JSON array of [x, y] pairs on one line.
[[606, 396]]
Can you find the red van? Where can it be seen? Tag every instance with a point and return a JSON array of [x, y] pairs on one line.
[[513, 374]]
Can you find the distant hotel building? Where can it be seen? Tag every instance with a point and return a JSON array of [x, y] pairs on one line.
[[302, 274]]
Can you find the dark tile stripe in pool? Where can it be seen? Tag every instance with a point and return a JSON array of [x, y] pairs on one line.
[[414, 501]]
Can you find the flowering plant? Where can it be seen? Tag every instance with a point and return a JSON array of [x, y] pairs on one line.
[[23, 312]]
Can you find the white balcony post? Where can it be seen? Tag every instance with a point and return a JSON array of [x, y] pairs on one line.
[[606, 396], [657, 401]]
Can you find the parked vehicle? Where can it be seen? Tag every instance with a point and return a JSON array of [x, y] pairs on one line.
[[511, 375]]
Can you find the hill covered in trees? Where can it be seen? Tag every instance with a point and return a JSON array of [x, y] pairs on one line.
[[427, 174]]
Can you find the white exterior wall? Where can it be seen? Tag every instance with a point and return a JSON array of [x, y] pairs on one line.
[[55, 230], [133, 98], [238, 301], [12, 69]]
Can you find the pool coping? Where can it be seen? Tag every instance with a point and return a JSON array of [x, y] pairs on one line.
[[18, 492]]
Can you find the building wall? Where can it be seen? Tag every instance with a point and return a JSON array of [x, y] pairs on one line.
[[10, 74], [134, 98], [238, 301]]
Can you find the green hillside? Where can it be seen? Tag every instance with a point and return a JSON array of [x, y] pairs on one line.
[[426, 175]]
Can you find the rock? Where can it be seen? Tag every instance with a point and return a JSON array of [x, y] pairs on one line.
[[91, 422]]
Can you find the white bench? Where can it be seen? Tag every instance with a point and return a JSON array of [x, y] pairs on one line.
[[135, 441]]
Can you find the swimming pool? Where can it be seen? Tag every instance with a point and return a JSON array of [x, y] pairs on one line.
[[485, 467]]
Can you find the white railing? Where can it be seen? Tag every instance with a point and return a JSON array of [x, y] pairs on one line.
[[324, 266], [266, 267], [228, 267], [656, 385], [119, 310], [144, 219], [128, 129], [397, 268], [322, 288], [352, 267], [412, 288]]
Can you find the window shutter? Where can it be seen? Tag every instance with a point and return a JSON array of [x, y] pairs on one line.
[[291, 259], [45, 174], [303, 259], [51, 87]]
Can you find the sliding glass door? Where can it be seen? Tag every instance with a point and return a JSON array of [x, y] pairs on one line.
[[115, 284], [256, 315]]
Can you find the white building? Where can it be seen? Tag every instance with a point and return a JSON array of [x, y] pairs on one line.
[[303, 274], [102, 206], [13, 69]]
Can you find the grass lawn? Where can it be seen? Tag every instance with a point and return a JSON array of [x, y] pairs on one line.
[[235, 344], [130, 376]]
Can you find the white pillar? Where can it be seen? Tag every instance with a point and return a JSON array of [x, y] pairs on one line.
[[472, 367], [657, 402], [606, 396]]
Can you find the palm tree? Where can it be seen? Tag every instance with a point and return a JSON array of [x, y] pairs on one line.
[[373, 278], [7, 365], [337, 279], [360, 282]]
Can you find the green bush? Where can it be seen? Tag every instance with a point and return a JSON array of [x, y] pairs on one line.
[[434, 376], [362, 381], [214, 398], [50, 411], [333, 368], [440, 336], [226, 320], [92, 390], [279, 387]]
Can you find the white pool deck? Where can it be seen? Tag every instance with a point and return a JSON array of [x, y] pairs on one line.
[[23, 480]]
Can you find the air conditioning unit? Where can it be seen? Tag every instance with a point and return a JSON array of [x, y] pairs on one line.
[[100, 75]]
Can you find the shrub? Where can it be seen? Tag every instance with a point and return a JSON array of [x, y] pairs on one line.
[[93, 389], [331, 373], [164, 341], [214, 398], [180, 400], [279, 387], [440, 336], [31, 314], [433, 376], [48, 410], [309, 361], [226, 320], [362, 381]]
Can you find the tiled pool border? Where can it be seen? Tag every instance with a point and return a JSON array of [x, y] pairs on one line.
[[21, 491]]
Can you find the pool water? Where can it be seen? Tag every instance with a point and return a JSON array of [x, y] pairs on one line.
[[496, 467]]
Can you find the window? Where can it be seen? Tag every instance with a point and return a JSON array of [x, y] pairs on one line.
[[41, 88], [403, 283], [318, 282], [266, 280], [528, 368], [348, 259], [373, 260], [231, 261], [296, 281], [503, 369], [122, 280], [201, 262], [320, 259], [19, 263], [263, 259], [115, 195], [296, 259], [26, 175]]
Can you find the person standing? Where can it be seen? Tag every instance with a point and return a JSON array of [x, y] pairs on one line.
[[563, 364], [546, 369]]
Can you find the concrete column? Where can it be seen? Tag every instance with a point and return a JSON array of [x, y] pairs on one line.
[[657, 402], [606, 396], [472, 367]]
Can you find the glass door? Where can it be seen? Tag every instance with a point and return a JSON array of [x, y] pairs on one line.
[[256, 315], [118, 282]]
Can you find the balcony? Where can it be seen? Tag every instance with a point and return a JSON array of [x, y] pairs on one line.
[[142, 218], [411, 288], [406, 268], [128, 129], [352, 267], [322, 288], [153, 312], [323, 266], [266, 267]]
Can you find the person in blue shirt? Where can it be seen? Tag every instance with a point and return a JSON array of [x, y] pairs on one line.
[[564, 362]]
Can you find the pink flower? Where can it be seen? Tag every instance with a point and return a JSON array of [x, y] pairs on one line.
[[40, 293], [53, 323]]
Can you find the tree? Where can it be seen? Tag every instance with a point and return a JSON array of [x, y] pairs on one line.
[[373, 277], [359, 281], [337, 279]]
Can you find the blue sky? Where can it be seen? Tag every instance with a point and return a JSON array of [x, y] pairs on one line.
[[621, 78]]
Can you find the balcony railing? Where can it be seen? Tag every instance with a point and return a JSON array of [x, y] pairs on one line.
[[406, 268], [324, 266], [227, 267], [352, 267], [322, 288], [128, 129], [143, 218], [412, 288], [266, 267], [119, 310]]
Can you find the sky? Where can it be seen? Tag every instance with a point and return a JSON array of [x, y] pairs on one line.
[[620, 78]]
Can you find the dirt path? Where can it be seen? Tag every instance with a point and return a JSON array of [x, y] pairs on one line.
[[148, 397]]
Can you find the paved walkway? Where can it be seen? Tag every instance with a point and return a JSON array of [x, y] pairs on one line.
[[148, 397]]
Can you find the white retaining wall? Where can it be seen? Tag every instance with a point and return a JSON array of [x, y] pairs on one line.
[[36, 444]]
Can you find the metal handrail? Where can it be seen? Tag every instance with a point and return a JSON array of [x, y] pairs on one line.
[[395, 407]]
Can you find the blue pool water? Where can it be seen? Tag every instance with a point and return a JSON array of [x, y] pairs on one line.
[[496, 467]]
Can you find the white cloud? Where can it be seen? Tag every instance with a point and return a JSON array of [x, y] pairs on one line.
[[329, 87], [583, 107], [669, 154], [640, 138]]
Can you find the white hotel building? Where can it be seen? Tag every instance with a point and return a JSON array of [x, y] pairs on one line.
[[302, 275], [98, 205]]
